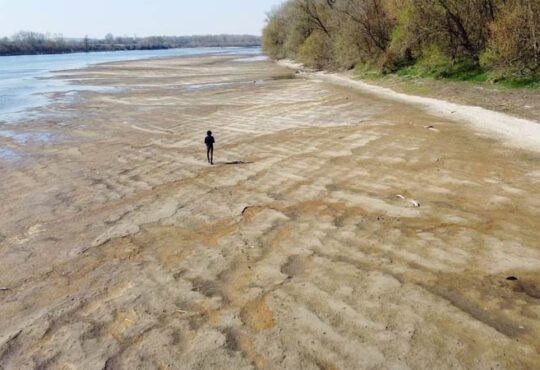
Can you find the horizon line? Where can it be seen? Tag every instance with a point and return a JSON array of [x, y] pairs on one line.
[[61, 35]]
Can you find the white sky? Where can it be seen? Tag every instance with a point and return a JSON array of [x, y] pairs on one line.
[[76, 18]]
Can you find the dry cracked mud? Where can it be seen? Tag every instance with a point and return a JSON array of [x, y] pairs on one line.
[[337, 230]]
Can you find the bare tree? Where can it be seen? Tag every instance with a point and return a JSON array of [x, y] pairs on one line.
[[315, 10], [372, 18]]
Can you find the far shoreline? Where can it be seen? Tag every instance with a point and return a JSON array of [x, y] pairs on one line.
[[124, 50]]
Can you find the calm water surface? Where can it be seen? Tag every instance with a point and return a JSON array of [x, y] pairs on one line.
[[22, 86]]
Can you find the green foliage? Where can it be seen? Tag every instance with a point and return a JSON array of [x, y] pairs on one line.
[[531, 82], [434, 60], [489, 58], [514, 47], [297, 31], [316, 51], [345, 54], [391, 62], [403, 37], [474, 40], [464, 70], [273, 38], [367, 71]]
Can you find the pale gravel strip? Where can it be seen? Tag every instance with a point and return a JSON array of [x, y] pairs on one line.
[[516, 132]]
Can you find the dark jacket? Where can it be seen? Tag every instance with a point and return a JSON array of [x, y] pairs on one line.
[[209, 141]]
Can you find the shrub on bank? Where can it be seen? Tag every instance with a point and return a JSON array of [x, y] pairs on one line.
[[472, 40]]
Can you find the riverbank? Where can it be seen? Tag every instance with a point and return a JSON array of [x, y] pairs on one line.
[[33, 43], [338, 229], [519, 132], [515, 101]]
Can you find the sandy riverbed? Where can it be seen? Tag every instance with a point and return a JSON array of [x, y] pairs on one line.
[[337, 230]]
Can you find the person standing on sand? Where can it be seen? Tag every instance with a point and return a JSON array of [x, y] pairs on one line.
[[209, 141]]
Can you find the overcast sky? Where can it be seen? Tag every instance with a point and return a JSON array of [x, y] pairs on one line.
[[95, 18]]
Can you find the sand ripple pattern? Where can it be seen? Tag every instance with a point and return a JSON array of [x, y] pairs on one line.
[[335, 231]]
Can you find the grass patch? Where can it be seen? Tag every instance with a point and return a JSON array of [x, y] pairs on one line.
[[531, 82], [367, 72], [462, 71], [439, 69]]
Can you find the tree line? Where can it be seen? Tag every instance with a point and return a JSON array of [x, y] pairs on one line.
[[24, 43], [437, 36]]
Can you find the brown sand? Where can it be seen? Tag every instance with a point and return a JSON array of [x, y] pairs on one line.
[[302, 248]]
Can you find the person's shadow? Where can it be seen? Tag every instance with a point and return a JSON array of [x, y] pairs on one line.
[[235, 163]]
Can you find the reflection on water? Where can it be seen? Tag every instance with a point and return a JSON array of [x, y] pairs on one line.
[[23, 82], [8, 154], [25, 137]]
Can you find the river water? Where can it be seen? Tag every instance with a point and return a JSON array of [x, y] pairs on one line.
[[24, 83]]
